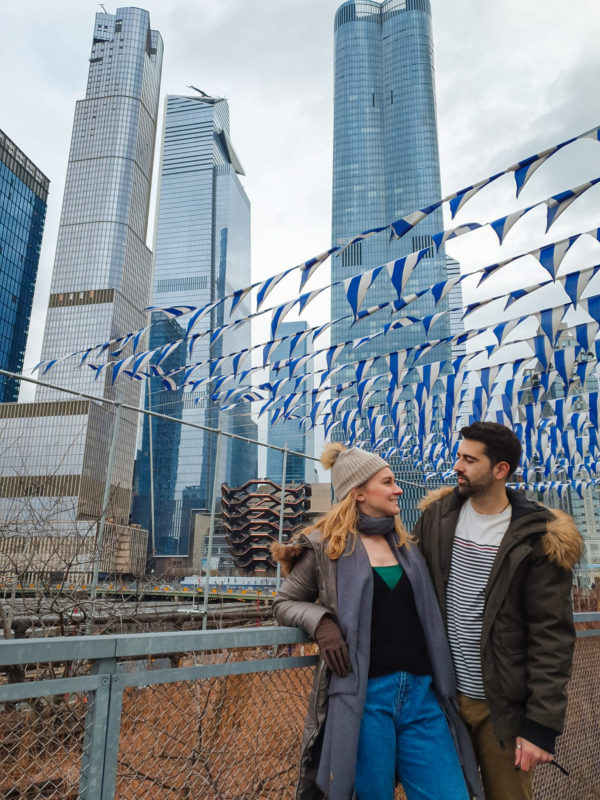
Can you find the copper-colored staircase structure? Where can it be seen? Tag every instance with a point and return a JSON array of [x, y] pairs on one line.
[[251, 520]]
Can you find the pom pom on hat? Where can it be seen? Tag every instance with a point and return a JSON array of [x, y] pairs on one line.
[[330, 454]]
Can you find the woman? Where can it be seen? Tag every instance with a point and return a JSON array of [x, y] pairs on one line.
[[362, 592]]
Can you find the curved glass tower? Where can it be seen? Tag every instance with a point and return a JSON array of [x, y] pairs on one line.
[[385, 165]]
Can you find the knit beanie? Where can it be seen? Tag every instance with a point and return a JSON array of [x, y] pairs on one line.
[[349, 467]]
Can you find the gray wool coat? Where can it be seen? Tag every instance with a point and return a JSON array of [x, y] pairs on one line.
[[316, 586]]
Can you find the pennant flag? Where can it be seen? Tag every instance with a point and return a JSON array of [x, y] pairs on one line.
[[124, 342], [309, 267], [429, 322], [401, 269], [576, 282], [238, 297], [525, 169], [502, 226], [172, 311], [543, 350], [564, 358], [462, 197], [266, 287], [441, 238], [307, 298], [356, 343], [402, 226], [501, 331], [199, 314], [296, 339], [166, 351], [551, 256], [279, 314], [138, 336], [399, 323], [364, 366], [592, 306], [215, 364], [238, 360], [560, 202], [356, 288], [440, 290], [550, 320], [367, 312], [517, 294], [428, 374], [585, 334], [267, 350], [395, 362], [583, 370]]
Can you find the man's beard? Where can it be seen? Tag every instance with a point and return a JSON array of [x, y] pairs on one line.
[[471, 489]]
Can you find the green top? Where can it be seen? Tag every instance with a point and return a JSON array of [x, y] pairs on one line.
[[391, 575]]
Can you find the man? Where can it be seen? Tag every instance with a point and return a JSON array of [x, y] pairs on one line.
[[502, 569]]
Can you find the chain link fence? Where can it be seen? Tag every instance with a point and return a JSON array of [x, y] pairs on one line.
[[218, 723]]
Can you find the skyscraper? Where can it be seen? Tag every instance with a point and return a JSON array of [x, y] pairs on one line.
[[23, 195], [56, 464], [298, 469], [202, 252], [385, 165]]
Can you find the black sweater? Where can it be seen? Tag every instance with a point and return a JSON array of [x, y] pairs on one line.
[[397, 638]]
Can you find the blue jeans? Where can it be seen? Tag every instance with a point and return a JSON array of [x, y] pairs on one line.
[[404, 732]]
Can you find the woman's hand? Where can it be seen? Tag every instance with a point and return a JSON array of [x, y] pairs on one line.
[[334, 649]]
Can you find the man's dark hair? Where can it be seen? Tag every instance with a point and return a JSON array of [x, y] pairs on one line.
[[501, 444]]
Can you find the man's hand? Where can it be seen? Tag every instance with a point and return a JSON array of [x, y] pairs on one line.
[[528, 755]]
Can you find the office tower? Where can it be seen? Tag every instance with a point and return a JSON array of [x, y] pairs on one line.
[[56, 468], [385, 166], [23, 195], [287, 432], [202, 252]]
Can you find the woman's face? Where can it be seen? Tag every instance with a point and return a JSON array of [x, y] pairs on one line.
[[378, 497]]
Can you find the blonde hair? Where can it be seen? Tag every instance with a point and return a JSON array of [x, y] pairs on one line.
[[341, 521]]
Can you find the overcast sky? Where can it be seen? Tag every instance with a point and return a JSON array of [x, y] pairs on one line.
[[513, 77]]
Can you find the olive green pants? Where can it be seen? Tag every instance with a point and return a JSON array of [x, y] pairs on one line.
[[501, 781]]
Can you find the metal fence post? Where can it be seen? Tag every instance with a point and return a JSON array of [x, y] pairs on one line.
[[93, 759], [102, 522], [113, 736], [211, 530], [281, 510]]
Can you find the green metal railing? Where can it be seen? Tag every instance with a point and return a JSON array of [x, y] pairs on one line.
[[209, 715]]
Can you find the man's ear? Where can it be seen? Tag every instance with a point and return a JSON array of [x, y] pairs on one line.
[[502, 470]]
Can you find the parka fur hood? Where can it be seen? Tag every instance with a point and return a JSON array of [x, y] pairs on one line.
[[562, 542], [288, 554]]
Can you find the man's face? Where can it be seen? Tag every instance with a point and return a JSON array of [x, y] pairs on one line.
[[473, 469]]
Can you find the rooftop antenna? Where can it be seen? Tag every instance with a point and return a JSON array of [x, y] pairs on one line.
[[195, 88], [102, 7]]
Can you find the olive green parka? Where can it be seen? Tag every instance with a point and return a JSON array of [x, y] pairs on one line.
[[528, 634]]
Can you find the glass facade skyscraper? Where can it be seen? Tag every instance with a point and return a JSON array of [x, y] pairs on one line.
[[100, 286], [385, 166], [202, 252], [23, 195], [288, 433]]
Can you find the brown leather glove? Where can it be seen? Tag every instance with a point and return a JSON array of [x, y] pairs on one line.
[[333, 647]]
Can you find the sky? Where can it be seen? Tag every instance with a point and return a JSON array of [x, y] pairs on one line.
[[512, 78]]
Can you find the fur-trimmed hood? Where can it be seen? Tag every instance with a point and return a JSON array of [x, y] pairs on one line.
[[288, 554], [562, 542]]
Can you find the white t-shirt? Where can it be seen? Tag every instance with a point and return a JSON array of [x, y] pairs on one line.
[[476, 542]]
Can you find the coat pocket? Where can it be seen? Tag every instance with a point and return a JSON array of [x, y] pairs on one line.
[[510, 649]]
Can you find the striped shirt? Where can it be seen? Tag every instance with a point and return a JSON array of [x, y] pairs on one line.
[[476, 543]]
